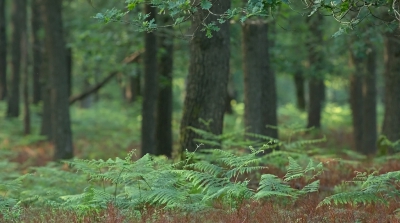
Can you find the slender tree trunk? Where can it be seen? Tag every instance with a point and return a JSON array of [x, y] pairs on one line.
[[150, 94], [37, 50], [69, 69], [391, 122], [55, 47], [316, 83], [18, 25], [369, 144], [356, 100], [259, 80], [208, 78], [164, 107], [3, 51], [300, 91], [25, 81]]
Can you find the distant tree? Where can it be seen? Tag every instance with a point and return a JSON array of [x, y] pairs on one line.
[[363, 98], [316, 81], [18, 26], [391, 122], [37, 51], [299, 81], [150, 91], [58, 79], [260, 97], [208, 77], [3, 51], [164, 107], [25, 81]]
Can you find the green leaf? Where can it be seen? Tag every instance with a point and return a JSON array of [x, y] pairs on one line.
[[205, 4]]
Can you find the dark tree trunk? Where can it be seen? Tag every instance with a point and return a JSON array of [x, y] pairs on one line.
[[25, 81], [3, 51], [37, 51], [208, 78], [135, 85], [45, 129], [316, 83], [150, 93], [18, 25], [363, 99], [391, 122], [369, 145], [300, 91], [58, 75], [164, 107], [230, 95], [356, 100], [259, 80]]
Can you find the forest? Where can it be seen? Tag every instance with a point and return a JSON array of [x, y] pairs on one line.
[[199, 111]]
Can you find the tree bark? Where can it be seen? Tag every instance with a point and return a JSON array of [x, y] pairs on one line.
[[150, 94], [18, 25], [259, 80], [3, 51], [300, 91], [369, 145], [37, 51], [164, 107], [391, 122], [356, 100], [25, 81], [55, 47], [316, 83], [208, 78]]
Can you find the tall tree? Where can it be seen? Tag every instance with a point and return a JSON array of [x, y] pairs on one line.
[[316, 82], [369, 145], [150, 93], [208, 77], [391, 122], [58, 78], [363, 98], [18, 26], [356, 99], [260, 97], [299, 81], [3, 51], [25, 81], [37, 50], [164, 107]]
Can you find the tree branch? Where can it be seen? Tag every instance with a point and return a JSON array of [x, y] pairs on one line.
[[133, 58]]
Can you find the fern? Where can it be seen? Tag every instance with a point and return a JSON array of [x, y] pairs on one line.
[[373, 189]]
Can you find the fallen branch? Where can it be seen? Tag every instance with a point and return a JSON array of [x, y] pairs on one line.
[[133, 58]]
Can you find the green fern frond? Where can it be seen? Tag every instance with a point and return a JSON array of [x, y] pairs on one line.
[[356, 197], [272, 186], [310, 188]]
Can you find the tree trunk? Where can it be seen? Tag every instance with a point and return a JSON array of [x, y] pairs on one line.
[[259, 80], [300, 92], [37, 51], [208, 78], [3, 51], [25, 81], [391, 122], [316, 83], [369, 144], [18, 25], [69, 69], [58, 76], [150, 93], [356, 100], [164, 107]]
